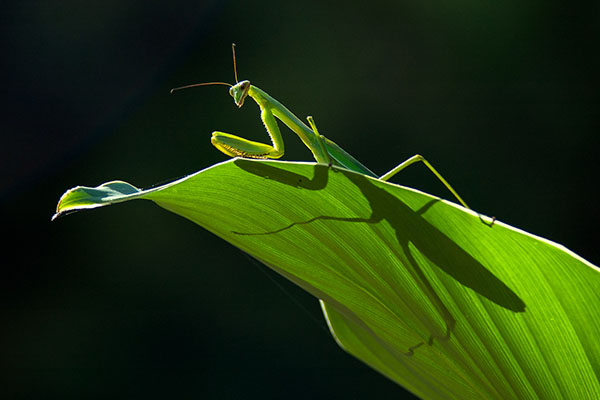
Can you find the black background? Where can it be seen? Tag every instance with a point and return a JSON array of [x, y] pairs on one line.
[[129, 300]]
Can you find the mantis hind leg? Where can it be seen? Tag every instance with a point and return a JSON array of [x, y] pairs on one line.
[[236, 146], [420, 158]]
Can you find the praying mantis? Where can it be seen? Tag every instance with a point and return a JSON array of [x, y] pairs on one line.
[[323, 149]]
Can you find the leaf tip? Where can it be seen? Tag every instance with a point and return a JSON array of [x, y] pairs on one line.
[[82, 197]]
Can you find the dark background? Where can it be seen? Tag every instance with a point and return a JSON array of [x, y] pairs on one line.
[[130, 300]]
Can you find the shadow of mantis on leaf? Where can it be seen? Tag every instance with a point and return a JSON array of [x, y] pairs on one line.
[[415, 236]]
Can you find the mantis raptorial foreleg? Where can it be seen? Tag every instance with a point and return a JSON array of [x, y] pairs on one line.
[[236, 146], [420, 158]]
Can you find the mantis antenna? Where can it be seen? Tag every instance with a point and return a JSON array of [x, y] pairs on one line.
[[201, 84], [234, 63], [214, 83]]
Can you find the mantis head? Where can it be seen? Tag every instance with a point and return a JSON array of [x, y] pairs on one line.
[[239, 91]]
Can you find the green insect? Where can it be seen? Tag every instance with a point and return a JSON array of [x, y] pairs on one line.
[[324, 150]]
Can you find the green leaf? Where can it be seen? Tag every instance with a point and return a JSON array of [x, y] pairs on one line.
[[432, 295]]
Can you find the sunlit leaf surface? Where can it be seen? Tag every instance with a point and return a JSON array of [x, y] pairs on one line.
[[432, 295]]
